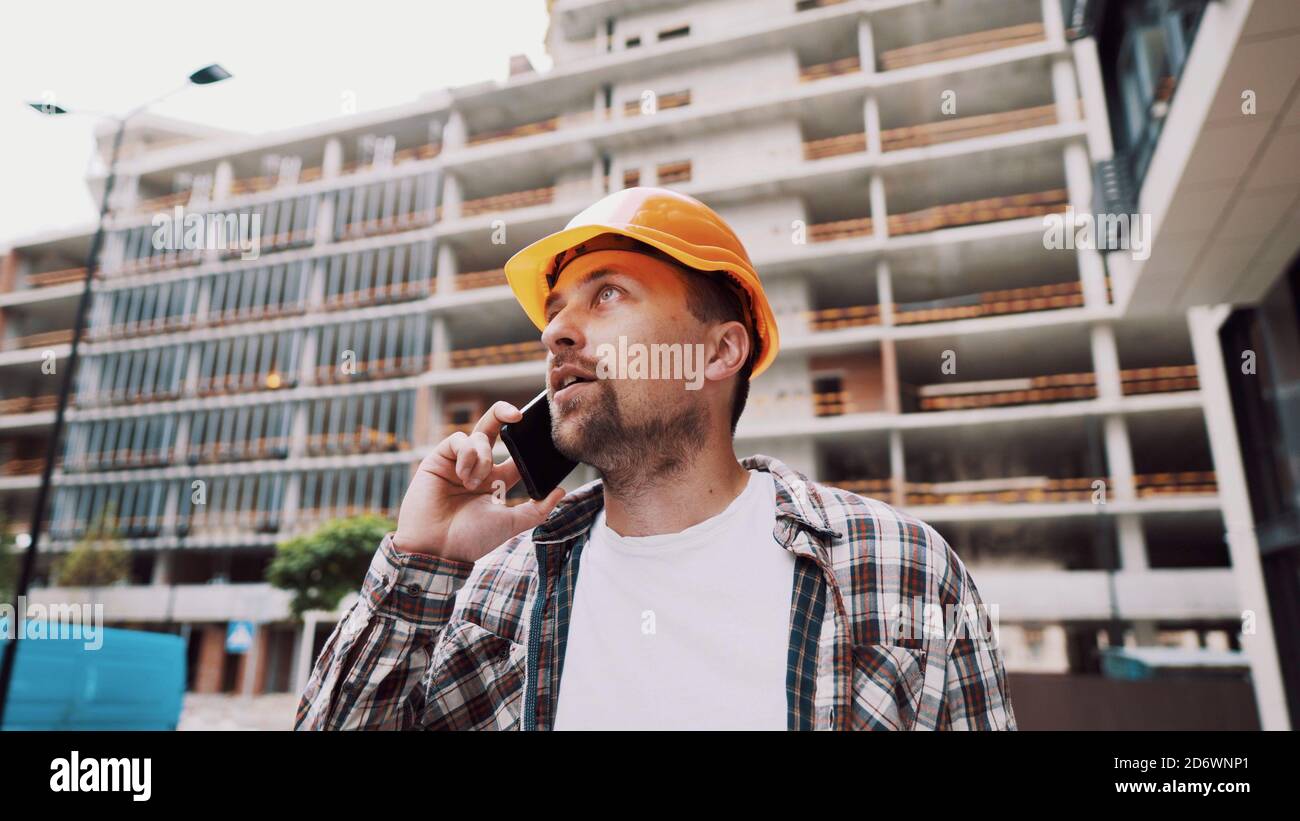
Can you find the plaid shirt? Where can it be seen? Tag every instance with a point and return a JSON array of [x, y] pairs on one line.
[[437, 644]]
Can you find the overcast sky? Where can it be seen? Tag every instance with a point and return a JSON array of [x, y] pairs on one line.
[[293, 64]]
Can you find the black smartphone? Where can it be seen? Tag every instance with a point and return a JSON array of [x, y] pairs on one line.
[[540, 463]]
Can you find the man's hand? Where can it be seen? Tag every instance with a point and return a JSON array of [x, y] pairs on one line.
[[454, 507]]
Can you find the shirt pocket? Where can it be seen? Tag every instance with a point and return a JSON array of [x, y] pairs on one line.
[[888, 681], [478, 677]]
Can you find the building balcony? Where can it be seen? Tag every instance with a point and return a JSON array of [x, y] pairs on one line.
[[46, 279], [378, 295], [181, 603], [544, 126], [830, 68], [975, 212], [119, 459], [1056, 595], [991, 303], [22, 467], [165, 261], [967, 306], [165, 202], [427, 151], [966, 128], [382, 226], [264, 447], [40, 340], [472, 280], [963, 45], [306, 518], [1043, 389], [498, 354], [29, 404], [364, 440], [383, 368]]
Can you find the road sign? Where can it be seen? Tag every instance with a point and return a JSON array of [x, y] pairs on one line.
[[239, 636]]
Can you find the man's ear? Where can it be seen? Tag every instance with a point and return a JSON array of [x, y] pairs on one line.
[[730, 349]]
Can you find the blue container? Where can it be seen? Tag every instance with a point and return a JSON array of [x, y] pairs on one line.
[[134, 680]]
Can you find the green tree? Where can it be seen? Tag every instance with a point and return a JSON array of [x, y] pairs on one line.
[[8, 562], [323, 566], [96, 560]]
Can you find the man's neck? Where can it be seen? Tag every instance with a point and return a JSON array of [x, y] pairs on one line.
[[654, 505]]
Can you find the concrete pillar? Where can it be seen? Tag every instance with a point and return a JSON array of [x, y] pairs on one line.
[[292, 500], [1065, 90], [182, 447], [871, 117], [866, 46], [426, 427], [8, 277], [1243, 547], [1145, 633], [889, 375], [212, 657], [1119, 459], [1093, 93], [192, 370], [1092, 277], [441, 343], [248, 663], [324, 227], [1105, 362], [451, 197], [307, 364], [163, 561], [304, 660], [255, 662], [1053, 22], [222, 180], [332, 162], [885, 292], [447, 269], [455, 134], [1078, 178], [879, 213], [897, 468], [1132, 543]]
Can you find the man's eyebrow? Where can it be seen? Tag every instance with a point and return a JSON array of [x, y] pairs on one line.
[[587, 279]]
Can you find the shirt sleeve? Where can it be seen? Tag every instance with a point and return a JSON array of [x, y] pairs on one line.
[[369, 673], [975, 691]]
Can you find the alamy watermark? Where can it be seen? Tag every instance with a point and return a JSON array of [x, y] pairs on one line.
[[67, 621], [1098, 232], [950, 621], [196, 231], [656, 360]]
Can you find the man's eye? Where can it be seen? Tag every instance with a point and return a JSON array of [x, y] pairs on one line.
[[608, 292]]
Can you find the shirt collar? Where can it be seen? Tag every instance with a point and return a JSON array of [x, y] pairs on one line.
[[797, 499]]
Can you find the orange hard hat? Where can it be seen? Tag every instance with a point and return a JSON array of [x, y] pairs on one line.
[[680, 226]]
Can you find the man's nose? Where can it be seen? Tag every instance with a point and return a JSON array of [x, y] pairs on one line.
[[564, 331]]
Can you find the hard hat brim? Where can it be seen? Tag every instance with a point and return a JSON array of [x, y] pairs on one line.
[[527, 270]]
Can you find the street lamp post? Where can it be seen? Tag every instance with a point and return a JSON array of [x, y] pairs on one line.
[[204, 76]]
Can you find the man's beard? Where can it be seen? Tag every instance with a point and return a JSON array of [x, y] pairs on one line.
[[631, 455]]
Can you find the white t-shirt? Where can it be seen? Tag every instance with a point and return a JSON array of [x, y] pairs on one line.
[[685, 630]]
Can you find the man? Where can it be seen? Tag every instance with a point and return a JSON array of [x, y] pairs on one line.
[[684, 589]]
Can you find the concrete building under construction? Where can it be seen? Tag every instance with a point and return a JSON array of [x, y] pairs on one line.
[[1060, 414]]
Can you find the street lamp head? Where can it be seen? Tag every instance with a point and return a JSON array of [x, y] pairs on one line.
[[48, 108], [209, 74]]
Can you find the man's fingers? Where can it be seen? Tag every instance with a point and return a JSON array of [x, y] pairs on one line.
[[535, 511], [497, 415], [482, 466], [507, 472], [466, 459], [442, 462]]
